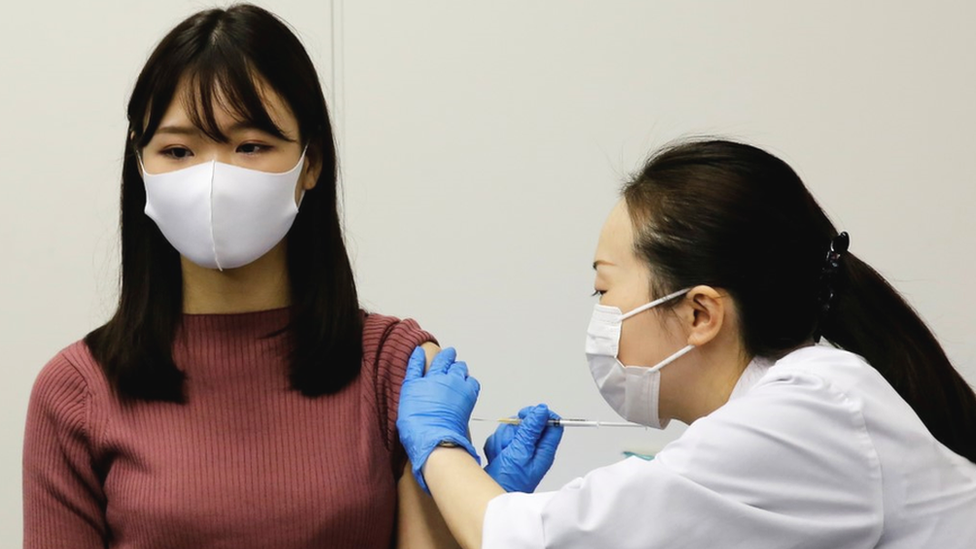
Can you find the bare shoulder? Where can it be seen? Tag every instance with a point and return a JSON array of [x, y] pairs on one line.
[[430, 349]]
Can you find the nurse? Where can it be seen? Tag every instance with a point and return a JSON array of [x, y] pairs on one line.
[[822, 410]]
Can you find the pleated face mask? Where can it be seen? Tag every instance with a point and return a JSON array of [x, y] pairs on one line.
[[634, 392], [221, 216]]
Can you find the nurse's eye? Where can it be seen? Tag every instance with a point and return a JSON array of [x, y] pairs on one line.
[[598, 293], [177, 153], [253, 148]]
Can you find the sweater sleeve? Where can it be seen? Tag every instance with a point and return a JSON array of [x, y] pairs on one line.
[[64, 505], [399, 340]]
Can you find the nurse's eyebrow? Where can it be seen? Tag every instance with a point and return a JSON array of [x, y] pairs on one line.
[[601, 262]]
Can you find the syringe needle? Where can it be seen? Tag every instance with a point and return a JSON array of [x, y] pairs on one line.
[[567, 422]]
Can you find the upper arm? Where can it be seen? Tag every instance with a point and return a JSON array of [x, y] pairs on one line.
[[395, 340], [430, 349], [419, 523], [63, 498]]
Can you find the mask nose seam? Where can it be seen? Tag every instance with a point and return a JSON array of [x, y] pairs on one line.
[[213, 233]]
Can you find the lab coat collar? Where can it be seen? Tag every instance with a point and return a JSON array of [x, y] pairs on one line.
[[754, 371]]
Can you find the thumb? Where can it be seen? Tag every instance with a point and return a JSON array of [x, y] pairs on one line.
[[550, 439], [415, 366], [533, 424]]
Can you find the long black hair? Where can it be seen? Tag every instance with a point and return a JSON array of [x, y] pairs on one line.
[[733, 216], [235, 51]]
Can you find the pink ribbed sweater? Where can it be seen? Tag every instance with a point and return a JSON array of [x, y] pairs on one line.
[[246, 463]]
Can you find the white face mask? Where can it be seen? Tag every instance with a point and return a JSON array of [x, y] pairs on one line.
[[633, 391], [221, 216]]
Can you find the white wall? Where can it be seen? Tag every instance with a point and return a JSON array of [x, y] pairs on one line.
[[482, 146]]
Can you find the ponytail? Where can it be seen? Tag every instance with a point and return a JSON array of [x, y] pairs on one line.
[[868, 317]]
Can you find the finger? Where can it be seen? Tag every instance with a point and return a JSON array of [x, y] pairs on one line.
[[499, 440], [415, 366], [443, 360], [551, 435], [459, 369], [525, 411], [532, 426], [550, 439], [474, 385], [554, 415], [504, 435], [545, 451]]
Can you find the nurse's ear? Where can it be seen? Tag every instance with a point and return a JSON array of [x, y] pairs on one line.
[[704, 313]]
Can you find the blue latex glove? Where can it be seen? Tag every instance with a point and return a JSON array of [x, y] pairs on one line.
[[435, 407], [520, 455]]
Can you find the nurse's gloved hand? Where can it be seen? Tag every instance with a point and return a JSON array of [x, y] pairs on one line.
[[520, 455], [435, 407]]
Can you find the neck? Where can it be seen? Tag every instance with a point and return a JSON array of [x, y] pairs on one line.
[[708, 386], [257, 286]]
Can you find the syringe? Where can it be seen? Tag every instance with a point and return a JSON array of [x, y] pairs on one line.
[[567, 422]]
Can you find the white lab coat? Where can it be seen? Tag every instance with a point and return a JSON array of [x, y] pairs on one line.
[[814, 451]]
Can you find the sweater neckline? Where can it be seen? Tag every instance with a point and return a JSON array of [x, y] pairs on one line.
[[258, 322]]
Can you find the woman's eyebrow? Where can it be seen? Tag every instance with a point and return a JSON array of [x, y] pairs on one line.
[[189, 130], [178, 130], [244, 125], [236, 127]]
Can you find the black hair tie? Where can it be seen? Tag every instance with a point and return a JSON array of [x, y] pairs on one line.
[[828, 276]]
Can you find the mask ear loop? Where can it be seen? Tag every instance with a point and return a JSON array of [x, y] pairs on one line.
[[655, 303], [301, 162], [687, 349], [142, 165]]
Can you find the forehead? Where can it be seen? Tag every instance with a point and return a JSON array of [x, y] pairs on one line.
[[617, 236], [225, 109]]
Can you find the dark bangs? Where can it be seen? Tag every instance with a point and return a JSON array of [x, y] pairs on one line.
[[217, 70], [219, 75]]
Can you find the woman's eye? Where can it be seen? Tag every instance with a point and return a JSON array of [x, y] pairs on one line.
[[598, 293], [252, 148], [177, 153]]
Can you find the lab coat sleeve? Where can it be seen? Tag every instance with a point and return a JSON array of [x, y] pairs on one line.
[[790, 464]]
